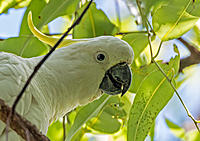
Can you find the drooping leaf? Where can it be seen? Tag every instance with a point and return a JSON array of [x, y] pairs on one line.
[[175, 129], [56, 8], [86, 113], [107, 120], [35, 7], [105, 123], [94, 23], [5, 5], [16, 45], [172, 20], [153, 92], [138, 41]]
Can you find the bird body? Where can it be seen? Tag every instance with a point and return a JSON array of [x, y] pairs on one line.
[[69, 78], [73, 75]]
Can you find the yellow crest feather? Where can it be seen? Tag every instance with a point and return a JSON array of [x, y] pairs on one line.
[[48, 39]]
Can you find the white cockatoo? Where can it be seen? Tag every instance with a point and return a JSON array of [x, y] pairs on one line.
[[73, 75]]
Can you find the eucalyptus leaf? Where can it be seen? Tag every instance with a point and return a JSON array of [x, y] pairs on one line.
[[175, 129], [105, 123], [16, 45], [56, 8], [86, 113], [151, 97], [138, 42], [5, 5], [107, 120], [94, 23], [153, 92], [172, 21]]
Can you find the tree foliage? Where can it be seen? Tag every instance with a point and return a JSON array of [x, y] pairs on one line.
[[122, 117]]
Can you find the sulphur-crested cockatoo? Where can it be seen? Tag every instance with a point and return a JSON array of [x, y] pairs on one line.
[[73, 75]]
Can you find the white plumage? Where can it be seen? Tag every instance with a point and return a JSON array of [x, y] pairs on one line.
[[69, 78]]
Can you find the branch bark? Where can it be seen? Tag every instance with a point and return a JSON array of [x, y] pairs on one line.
[[20, 125], [194, 58]]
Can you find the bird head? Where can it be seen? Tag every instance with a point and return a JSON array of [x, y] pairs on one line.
[[108, 57], [114, 57]]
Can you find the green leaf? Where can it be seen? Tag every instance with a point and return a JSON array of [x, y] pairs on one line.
[[56, 8], [5, 5], [175, 129], [172, 21], [94, 23], [55, 131], [86, 113], [151, 97], [138, 42], [107, 120], [193, 136], [16, 45], [35, 7], [105, 123]]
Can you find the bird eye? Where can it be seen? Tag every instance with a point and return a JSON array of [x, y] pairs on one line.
[[100, 57]]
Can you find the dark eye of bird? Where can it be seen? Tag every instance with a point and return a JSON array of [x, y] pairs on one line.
[[100, 57]]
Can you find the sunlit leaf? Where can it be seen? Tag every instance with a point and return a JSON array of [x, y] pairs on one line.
[[153, 92], [55, 131], [6, 4], [171, 21], [175, 129], [138, 41], [94, 23], [193, 136]]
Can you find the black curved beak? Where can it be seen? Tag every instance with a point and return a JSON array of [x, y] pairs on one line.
[[117, 79]]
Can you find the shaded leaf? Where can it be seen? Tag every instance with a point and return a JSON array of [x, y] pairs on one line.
[[16, 45], [107, 120], [35, 7], [105, 123], [94, 23], [86, 113], [56, 8]]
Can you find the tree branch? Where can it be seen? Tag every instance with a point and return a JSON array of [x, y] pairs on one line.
[[20, 125], [194, 58]]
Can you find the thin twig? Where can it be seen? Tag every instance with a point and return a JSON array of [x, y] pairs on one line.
[[37, 67], [64, 128], [146, 25], [162, 71], [160, 45]]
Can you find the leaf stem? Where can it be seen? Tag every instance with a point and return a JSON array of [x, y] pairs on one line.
[[160, 45], [38, 66]]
